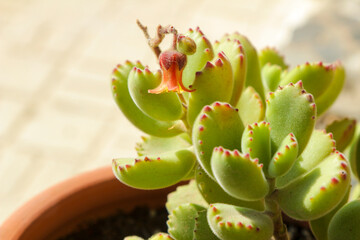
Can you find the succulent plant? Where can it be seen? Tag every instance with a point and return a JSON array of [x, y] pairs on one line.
[[240, 127]]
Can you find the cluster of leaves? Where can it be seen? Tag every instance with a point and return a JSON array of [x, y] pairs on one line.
[[244, 135]]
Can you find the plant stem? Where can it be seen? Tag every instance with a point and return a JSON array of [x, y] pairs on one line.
[[272, 209]]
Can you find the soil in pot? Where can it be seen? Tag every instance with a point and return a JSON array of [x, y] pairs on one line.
[[145, 222]]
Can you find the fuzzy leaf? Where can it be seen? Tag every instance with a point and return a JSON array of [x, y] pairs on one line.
[[188, 193], [343, 132], [218, 124], [154, 145], [354, 153], [213, 83], [234, 51], [133, 238], [271, 56], [328, 97], [345, 223], [230, 222], [319, 191], [319, 227], [202, 230], [253, 77], [213, 193], [196, 62], [290, 110], [181, 223], [315, 76], [321, 144], [138, 118], [154, 172], [161, 236], [284, 158], [163, 107], [240, 176], [256, 142], [271, 76], [251, 108]]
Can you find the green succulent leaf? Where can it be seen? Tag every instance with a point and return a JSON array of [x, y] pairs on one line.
[[196, 62], [218, 124], [151, 145], [188, 193], [290, 110], [271, 76], [239, 175], [202, 230], [284, 158], [213, 83], [256, 142], [213, 193], [164, 107], [231, 222], [354, 153], [343, 131], [355, 194], [234, 51], [161, 236], [319, 191], [326, 99], [251, 108], [316, 77], [321, 144], [137, 117], [345, 223], [154, 172], [271, 56], [253, 77], [183, 220], [319, 227], [133, 238]]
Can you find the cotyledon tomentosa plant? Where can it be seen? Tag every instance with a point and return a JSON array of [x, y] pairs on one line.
[[241, 127]]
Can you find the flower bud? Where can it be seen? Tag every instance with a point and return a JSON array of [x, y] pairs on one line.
[[186, 45]]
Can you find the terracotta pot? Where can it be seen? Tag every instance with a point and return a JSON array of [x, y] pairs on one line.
[[59, 209]]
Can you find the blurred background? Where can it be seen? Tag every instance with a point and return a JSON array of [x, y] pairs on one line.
[[57, 116]]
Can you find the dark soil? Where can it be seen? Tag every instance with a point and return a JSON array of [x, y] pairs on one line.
[[145, 222]]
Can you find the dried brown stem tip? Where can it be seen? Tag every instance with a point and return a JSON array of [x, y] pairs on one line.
[[160, 34]]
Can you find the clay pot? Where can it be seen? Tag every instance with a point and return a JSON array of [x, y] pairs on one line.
[[59, 209]]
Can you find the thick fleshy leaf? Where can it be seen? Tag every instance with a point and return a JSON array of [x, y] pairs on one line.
[[326, 99], [251, 108], [343, 132], [213, 193], [321, 144], [202, 230], [253, 77], [183, 219], [137, 117], [133, 238], [319, 191], [161, 236], [196, 62], [164, 107], [316, 77], [218, 124], [345, 223], [240, 176], [213, 83], [231, 222], [354, 153], [234, 51], [290, 110], [271, 76], [151, 145], [256, 142], [355, 194], [284, 158], [271, 56], [319, 227], [154, 172], [188, 193]]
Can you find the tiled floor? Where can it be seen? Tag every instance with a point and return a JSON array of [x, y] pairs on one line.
[[57, 117]]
